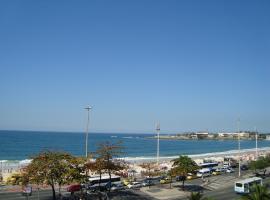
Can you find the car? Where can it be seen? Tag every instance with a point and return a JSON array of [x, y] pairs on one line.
[[126, 182], [116, 187], [27, 190], [165, 180], [191, 176], [134, 185], [244, 167], [180, 178], [229, 170], [223, 169], [74, 188], [147, 182], [216, 172]]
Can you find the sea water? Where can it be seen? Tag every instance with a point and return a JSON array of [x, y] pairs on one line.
[[22, 145]]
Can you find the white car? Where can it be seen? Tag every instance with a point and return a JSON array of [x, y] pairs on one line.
[[135, 185], [229, 170]]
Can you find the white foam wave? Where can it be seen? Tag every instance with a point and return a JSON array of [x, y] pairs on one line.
[[223, 153]]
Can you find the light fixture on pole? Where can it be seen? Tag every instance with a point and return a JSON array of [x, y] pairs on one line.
[[158, 130], [256, 137], [239, 147], [86, 132]]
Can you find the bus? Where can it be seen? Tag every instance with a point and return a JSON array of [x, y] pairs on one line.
[[96, 183], [104, 179], [209, 165], [245, 186]]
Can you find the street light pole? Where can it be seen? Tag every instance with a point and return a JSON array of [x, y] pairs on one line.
[[239, 152], [158, 130], [86, 134], [256, 132]]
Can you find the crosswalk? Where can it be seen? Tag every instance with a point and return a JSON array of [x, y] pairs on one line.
[[219, 182]]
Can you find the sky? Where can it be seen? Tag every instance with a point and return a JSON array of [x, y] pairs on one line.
[[190, 65]]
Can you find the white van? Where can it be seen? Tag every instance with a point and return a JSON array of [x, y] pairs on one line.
[[204, 172]]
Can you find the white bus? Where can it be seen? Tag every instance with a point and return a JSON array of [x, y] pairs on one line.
[[104, 179], [204, 172], [244, 186]]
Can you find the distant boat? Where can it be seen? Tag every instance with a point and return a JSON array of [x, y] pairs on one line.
[[113, 136]]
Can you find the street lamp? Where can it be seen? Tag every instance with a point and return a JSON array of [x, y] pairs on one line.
[[239, 152], [86, 134], [158, 130], [256, 137]]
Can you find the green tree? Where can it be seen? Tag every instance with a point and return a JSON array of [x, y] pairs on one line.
[[198, 196], [182, 166], [108, 154], [149, 167], [54, 168], [260, 164], [258, 193], [97, 165]]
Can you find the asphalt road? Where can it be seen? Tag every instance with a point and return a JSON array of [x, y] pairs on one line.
[[223, 191], [47, 195]]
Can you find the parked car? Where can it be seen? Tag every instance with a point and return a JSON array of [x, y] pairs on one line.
[[244, 167], [180, 178], [216, 172], [229, 170], [147, 182], [74, 188], [165, 180], [27, 190], [116, 187], [134, 185], [191, 176], [125, 182]]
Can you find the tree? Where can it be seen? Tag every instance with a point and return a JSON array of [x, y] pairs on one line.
[[259, 193], [197, 196], [182, 166], [97, 166], [259, 164], [54, 168], [108, 155], [149, 166]]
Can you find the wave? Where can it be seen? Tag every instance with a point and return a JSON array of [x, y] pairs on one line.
[[149, 158], [194, 156]]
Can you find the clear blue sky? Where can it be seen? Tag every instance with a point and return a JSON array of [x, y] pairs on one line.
[[192, 65]]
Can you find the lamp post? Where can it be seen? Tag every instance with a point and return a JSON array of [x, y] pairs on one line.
[[239, 152], [86, 133], [158, 130], [256, 137]]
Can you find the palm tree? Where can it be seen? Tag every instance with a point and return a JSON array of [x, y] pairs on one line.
[[198, 196], [182, 166], [259, 193]]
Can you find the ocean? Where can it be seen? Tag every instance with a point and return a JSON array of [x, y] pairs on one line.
[[21, 145]]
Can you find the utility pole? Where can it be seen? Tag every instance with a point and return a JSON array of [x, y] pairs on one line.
[[239, 147], [256, 132], [86, 134], [158, 130]]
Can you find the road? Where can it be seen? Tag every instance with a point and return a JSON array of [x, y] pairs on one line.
[[218, 187], [47, 195]]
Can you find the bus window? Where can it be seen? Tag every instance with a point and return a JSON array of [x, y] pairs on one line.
[[238, 184]]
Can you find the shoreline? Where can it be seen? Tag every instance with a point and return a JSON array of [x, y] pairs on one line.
[[161, 157], [230, 153]]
